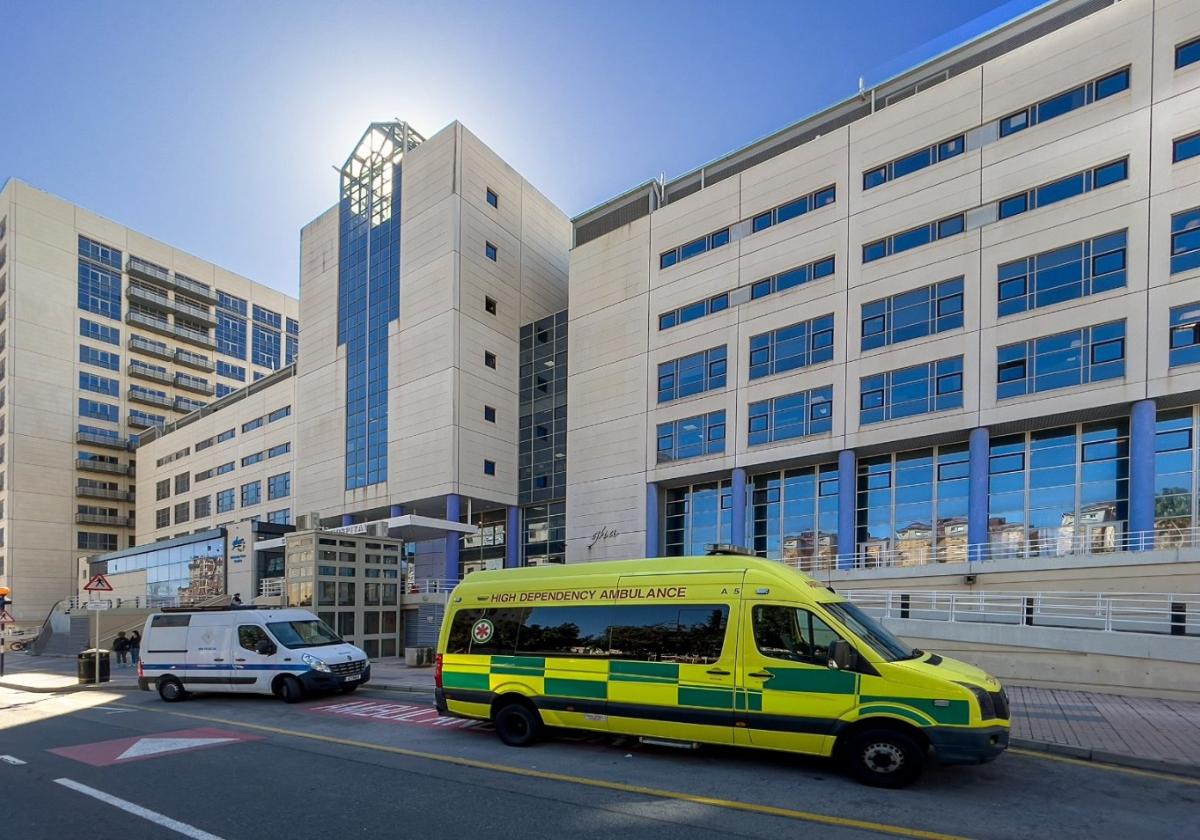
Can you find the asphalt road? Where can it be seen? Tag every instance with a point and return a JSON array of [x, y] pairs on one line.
[[377, 764]]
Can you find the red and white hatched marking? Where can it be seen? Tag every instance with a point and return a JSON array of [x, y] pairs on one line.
[[397, 713], [154, 745]]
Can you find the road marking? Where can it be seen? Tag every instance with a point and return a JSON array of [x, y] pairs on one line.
[[1111, 768], [419, 715], [769, 810], [138, 811], [11, 759], [138, 747]]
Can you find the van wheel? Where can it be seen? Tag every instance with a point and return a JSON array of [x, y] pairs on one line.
[[884, 758], [291, 690], [171, 690], [518, 724]]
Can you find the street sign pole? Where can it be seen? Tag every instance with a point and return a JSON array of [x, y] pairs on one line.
[[96, 631]]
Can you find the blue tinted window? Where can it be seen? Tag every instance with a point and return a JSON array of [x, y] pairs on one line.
[[489, 467], [232, 303], [666, 320], [99, 332], [1066, 273], [490, 251], [1113, 83], [492, 198], [1186, 147], [291, 349], [96, 252], [99, 384], [1063, 360], [267, 316], [1110, 173], [251, 493], [952, 148], [225, 501], [231, 371], [224, 390], [719, 238], [791, 210], [99, 411], [875, 177], [791, 416], [792, 347], [691, 375], [1185, 240], [1185, 335], [914, 162], [265, 350], [1058, 105], [279, 486], [1014, 205], [231, 335], [951, 226], [911, 163], [1187, 53], [293, 326], [907, 392], [694, 248], [910, 239], [1064, 188], [914, 314], [691, 437], [874, 250], [1014, 123], [99, 358], [1060, 190], [99, 290], [668, 259]]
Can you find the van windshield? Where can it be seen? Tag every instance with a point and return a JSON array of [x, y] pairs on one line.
[[303, 634], [870, 631]]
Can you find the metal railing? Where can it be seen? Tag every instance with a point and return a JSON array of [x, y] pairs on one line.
[[1160, 613], [103, 493], [162, 326], [102, 440], [104, 519], [195, 360], [92, 465], [184, 404], [136, 395], [149, 270], [270, 587], [147, 372], [150, 348], [899, 553], [429, 585], [193, 383]]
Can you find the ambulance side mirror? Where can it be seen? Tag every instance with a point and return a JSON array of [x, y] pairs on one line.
[[842, 657]]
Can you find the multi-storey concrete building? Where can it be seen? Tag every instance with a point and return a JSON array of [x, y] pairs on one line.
[[104, 333], [414, 288], [954, 317], [224, 463]]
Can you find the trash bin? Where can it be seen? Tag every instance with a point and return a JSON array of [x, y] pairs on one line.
[[87, 666]]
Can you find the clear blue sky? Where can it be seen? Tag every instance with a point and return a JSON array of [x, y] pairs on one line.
[[215, 125]]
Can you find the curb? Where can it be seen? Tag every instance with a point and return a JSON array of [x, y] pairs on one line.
[[67, 689], [1156, 765], [413, 691]]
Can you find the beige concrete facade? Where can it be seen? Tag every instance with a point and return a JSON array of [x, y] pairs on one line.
[[438, 380], [69, 492], [619, 291], [225, 463]]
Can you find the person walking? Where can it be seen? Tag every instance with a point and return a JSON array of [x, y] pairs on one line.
[[135, 647], [121, 648], [237, 599]]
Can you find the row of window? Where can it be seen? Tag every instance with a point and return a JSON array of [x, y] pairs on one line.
[[1047, 109], [1061, 189], [277, 414], [776, 215], [273, 452], [228, 434]]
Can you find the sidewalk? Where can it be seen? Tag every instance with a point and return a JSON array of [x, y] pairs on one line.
[[1137, 732]]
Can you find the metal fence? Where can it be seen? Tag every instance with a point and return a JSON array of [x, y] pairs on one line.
[[1160, 613]]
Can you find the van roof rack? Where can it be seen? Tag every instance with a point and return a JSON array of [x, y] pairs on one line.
[[722, 549]]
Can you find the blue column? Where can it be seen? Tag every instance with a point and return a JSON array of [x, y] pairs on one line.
[[512, 538], [1142, 421], [737, 498], [453, 511], [396, 510], [977, 495], [847, 508], [652, 517], [347, 519]]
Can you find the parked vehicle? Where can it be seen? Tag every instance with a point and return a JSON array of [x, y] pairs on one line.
[[730, 650], [285, 652]]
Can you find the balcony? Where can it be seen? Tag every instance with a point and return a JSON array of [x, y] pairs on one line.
[[92, 465], [150, 348], [162, 326], [135, 395], [102, 440], [157, 274], [104, 519], [186, 405], [137, 420], [200, 314], [103, 493], [159, 301], [144, 372], [194, 360], [194, 383]]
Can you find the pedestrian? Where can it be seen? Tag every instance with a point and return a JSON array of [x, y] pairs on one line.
[[121, 647], [135, 647], [237, 599]]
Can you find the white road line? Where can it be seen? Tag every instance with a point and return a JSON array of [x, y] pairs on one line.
[[11, 759], [138, 811]]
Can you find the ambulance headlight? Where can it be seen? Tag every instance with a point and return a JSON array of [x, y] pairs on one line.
[[314, 663], [987, 706]]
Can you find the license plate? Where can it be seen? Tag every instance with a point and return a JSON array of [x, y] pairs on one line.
[[350, 679]]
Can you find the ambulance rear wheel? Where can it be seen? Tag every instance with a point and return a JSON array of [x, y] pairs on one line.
[[518, 724], [884, 758], [171, 690]]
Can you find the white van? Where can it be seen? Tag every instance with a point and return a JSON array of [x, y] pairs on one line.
[[285, 652]]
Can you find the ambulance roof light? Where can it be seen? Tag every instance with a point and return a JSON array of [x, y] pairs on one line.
[[719, 549]]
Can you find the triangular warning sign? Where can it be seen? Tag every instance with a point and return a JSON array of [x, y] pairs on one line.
[[98, 583], [6, 617]]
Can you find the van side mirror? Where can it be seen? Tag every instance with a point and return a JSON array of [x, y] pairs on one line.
[[842, 657], [265, 646]]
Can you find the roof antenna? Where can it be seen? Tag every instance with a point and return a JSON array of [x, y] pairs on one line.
[[862, 88]]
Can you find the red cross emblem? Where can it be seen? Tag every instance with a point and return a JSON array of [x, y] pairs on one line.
[[482, 631]]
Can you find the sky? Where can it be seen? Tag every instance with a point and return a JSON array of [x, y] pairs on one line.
[[217, 126]]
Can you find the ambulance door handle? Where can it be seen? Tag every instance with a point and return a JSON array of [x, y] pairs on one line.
[[718, 672], [761, 675]]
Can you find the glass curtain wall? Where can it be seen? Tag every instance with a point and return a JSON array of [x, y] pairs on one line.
[[1175, 461], [793, 516], [696, 515]]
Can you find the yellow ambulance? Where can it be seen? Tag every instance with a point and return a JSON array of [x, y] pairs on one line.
[[724, 649]]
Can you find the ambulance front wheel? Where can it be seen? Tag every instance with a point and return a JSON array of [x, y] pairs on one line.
[[884, 758], [517, 723]]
